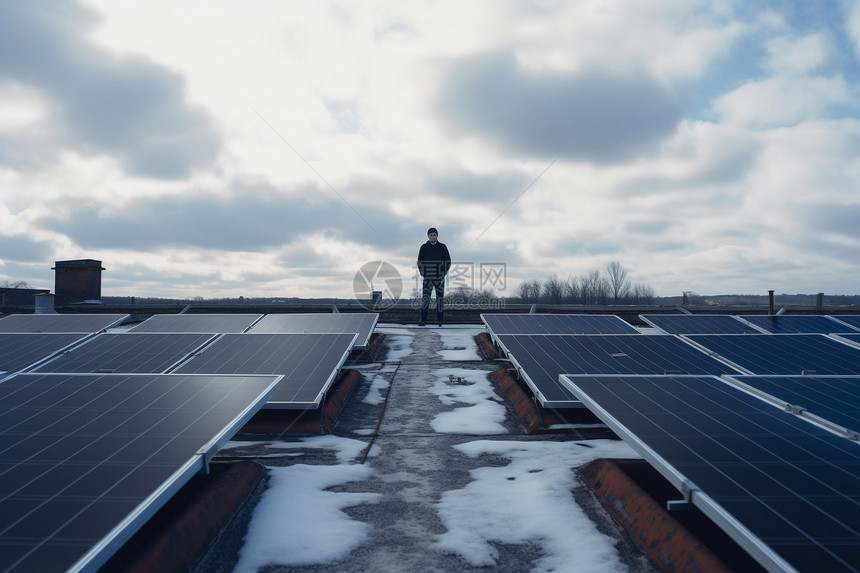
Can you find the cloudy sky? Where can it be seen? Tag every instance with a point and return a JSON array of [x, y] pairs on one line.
[[261, 148]]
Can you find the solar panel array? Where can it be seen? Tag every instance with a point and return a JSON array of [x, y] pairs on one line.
[[361, 323], [699, 324], [145, 353], [80, 323], [219, 323], [308, 362], [540, 360], [831, 400], [786, 490], [106, 427], [752, 430], [85, 460], [795, 324], [784, 353], [502, 323], [19, 351]]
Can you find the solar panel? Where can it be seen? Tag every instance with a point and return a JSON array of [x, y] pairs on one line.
[[541, 358], [851, 320], [501, 323], [19, 351], [309, 362], [783, 353], [786, 490], [794, 324], [698, 324], [361, 323], [143, 353], [214, 323], [83, 323], [85, 460], [831, 400]]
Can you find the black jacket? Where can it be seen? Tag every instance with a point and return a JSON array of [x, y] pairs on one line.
[[433, 260]]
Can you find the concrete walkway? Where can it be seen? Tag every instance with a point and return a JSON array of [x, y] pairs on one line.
[[413, 466]]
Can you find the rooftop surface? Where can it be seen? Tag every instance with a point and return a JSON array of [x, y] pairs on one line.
[[452, 480], [428, 454]]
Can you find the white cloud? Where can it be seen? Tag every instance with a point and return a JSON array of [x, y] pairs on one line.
[[799, 56], [783, 100]]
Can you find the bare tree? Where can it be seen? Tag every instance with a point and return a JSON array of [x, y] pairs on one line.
[[595, 288], [641, 294], [529, 291], [553, 290], [618, 281], [19, 284], [572, 290]]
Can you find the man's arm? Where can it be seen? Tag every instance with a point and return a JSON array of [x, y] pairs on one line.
[[420, 262]]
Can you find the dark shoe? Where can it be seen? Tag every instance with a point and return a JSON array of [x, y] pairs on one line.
[[422, 323]]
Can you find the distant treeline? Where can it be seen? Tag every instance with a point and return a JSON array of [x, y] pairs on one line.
[[612, 285]]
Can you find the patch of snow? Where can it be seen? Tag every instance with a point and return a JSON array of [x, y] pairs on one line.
[[529, 501], [375, 393], [459, 344], [298, 522], [398, 341], [484, 415]]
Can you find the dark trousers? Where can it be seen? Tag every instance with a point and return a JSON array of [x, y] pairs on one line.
[[431, 285]]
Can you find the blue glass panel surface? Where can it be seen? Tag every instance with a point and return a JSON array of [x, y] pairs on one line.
[[698, 324], [308, 362], [81, 455], [784, 353], [361, 323], [502, 323], [541, 358], [214, 323], [794, 485]]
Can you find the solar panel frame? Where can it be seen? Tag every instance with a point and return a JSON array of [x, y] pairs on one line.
[[520, 323], [360, 323], [68, 441], [848, 338], [724, 494], [782, 353], [16, 357], [534, 354], [199, 323], [700, 324], [307, 376], [60, 323], [852, 320], [127, 353], [808, 396], [792, 323]]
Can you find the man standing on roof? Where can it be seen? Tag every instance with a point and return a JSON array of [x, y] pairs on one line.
[[433, 264]]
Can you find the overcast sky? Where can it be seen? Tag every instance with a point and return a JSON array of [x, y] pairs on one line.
[[260, 148]]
